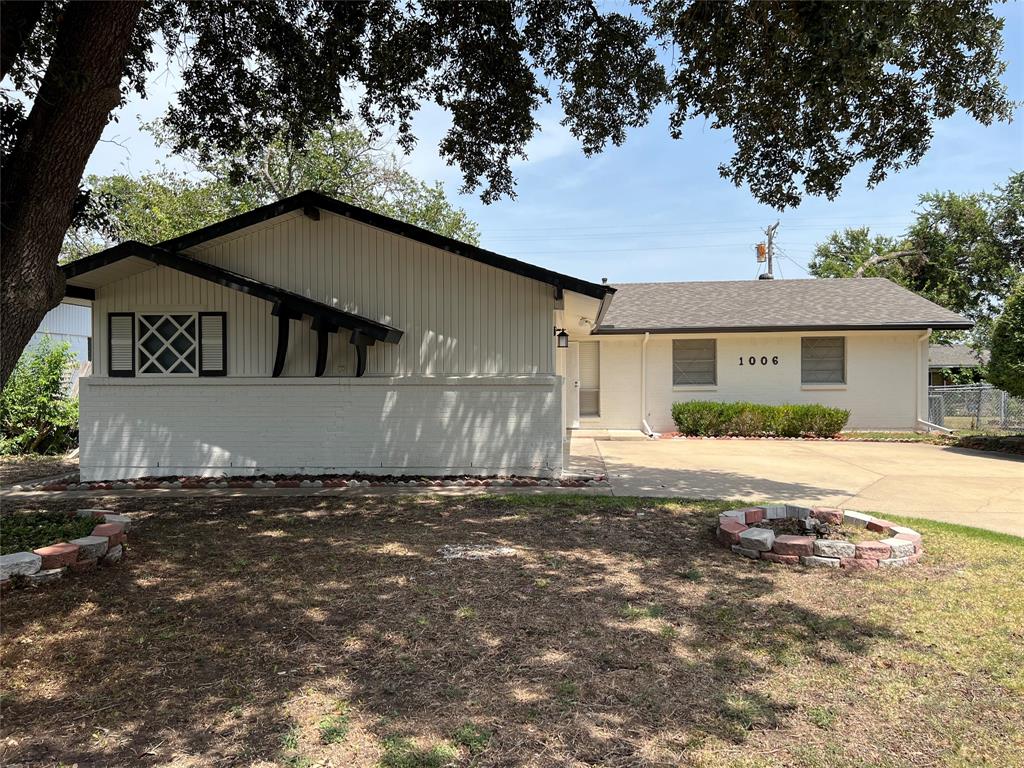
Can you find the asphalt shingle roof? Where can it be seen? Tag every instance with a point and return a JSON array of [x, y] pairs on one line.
[[955, 356], [768, 305]]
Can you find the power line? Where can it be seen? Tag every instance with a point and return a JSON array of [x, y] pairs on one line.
[[746, 224]]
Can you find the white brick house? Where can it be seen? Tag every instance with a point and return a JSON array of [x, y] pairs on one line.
[[310, 336], [858, 344]]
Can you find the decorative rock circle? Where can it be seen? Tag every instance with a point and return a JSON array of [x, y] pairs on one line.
[[746, 533]]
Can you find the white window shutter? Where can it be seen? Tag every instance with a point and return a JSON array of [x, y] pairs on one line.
[[121, 336], [213, 344]]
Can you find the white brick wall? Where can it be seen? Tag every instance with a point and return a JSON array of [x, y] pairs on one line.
[[234, 426], [885, 378]]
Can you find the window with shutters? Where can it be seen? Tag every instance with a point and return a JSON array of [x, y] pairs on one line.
[[694, 362], [823, 360], [590, 378], [168, 344], [121, 343], [212, 344]]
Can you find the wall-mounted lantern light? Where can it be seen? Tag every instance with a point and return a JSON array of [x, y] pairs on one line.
[[563, 337]]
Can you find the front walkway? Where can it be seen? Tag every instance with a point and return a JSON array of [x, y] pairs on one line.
[[952, 485]]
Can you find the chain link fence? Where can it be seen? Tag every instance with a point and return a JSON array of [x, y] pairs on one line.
[[974, 406]]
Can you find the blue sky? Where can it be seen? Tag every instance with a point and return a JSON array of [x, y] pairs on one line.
[[654, 208]]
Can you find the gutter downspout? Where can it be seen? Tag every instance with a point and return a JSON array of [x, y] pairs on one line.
[[922, 343], [643, 388]]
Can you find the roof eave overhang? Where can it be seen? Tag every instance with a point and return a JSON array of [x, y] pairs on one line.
[[296, 302], [936, 326]]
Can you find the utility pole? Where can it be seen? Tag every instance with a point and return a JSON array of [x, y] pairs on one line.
[[770, 234]]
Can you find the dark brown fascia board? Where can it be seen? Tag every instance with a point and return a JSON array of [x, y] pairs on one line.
[[941, 326], [79, 292], [307, 200], [235, 281]]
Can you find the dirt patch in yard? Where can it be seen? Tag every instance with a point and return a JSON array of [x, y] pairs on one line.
[[20, 469], [330, 631]]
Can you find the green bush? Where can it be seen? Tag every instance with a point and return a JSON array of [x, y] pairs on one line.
[[37, 412], [710, 419]]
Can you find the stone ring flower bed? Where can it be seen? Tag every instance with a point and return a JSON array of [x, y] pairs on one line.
[[318, 481], [823, 537], [104, 546]]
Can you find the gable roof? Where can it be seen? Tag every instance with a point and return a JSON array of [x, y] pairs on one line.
[[838, 304], [955, 356], [130, 251], [311, 202]]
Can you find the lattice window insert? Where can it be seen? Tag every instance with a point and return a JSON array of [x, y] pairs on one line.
[[168, 345]]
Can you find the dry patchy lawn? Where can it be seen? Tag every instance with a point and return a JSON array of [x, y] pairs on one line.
[[301, 632]]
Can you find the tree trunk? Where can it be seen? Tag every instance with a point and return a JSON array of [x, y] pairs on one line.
[[80, 89]]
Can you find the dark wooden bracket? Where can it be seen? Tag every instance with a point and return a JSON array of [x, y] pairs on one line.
[[284, 316], [323, 330], [360, 341]]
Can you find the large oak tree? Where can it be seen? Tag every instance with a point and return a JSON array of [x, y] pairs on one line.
[[806, 89]]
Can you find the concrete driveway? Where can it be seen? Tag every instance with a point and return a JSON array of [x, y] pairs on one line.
[[948, 484]]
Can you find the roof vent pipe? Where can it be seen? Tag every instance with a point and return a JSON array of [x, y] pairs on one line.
[[604, 281]]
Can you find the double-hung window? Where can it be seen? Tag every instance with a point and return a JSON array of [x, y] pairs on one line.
[[823, 360], [167, 343], [694, 362]]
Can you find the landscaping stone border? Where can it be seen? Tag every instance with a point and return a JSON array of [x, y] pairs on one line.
[[104, 546], [738, 529], [315, 481]]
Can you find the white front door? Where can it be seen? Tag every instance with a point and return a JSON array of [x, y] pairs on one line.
[[572, 386]]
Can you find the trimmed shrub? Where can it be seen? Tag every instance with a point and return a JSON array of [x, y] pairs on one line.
[[37, 413], [710, 419]]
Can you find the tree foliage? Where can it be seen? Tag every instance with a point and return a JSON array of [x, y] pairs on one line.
[[340, 162], [806, 90], [964, 252], [37, 413], [1006, 367]]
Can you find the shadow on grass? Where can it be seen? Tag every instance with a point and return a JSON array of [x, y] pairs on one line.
[[618, 633]]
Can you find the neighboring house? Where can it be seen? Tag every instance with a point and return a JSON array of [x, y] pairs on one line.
[[70, 321], [947, 359], [310, 336]]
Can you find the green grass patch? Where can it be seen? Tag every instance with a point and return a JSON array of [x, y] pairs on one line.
[[649, 611], [25, 532], [401, 752], [822, 717], [334, 728], [471, 736]]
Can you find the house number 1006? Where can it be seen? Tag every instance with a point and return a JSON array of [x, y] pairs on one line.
[[763, 360]]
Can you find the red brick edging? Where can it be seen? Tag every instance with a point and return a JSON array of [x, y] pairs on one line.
[[739, 529], [104, 546]]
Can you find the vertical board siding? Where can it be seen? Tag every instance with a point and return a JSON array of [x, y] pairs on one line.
[[460, 317]]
